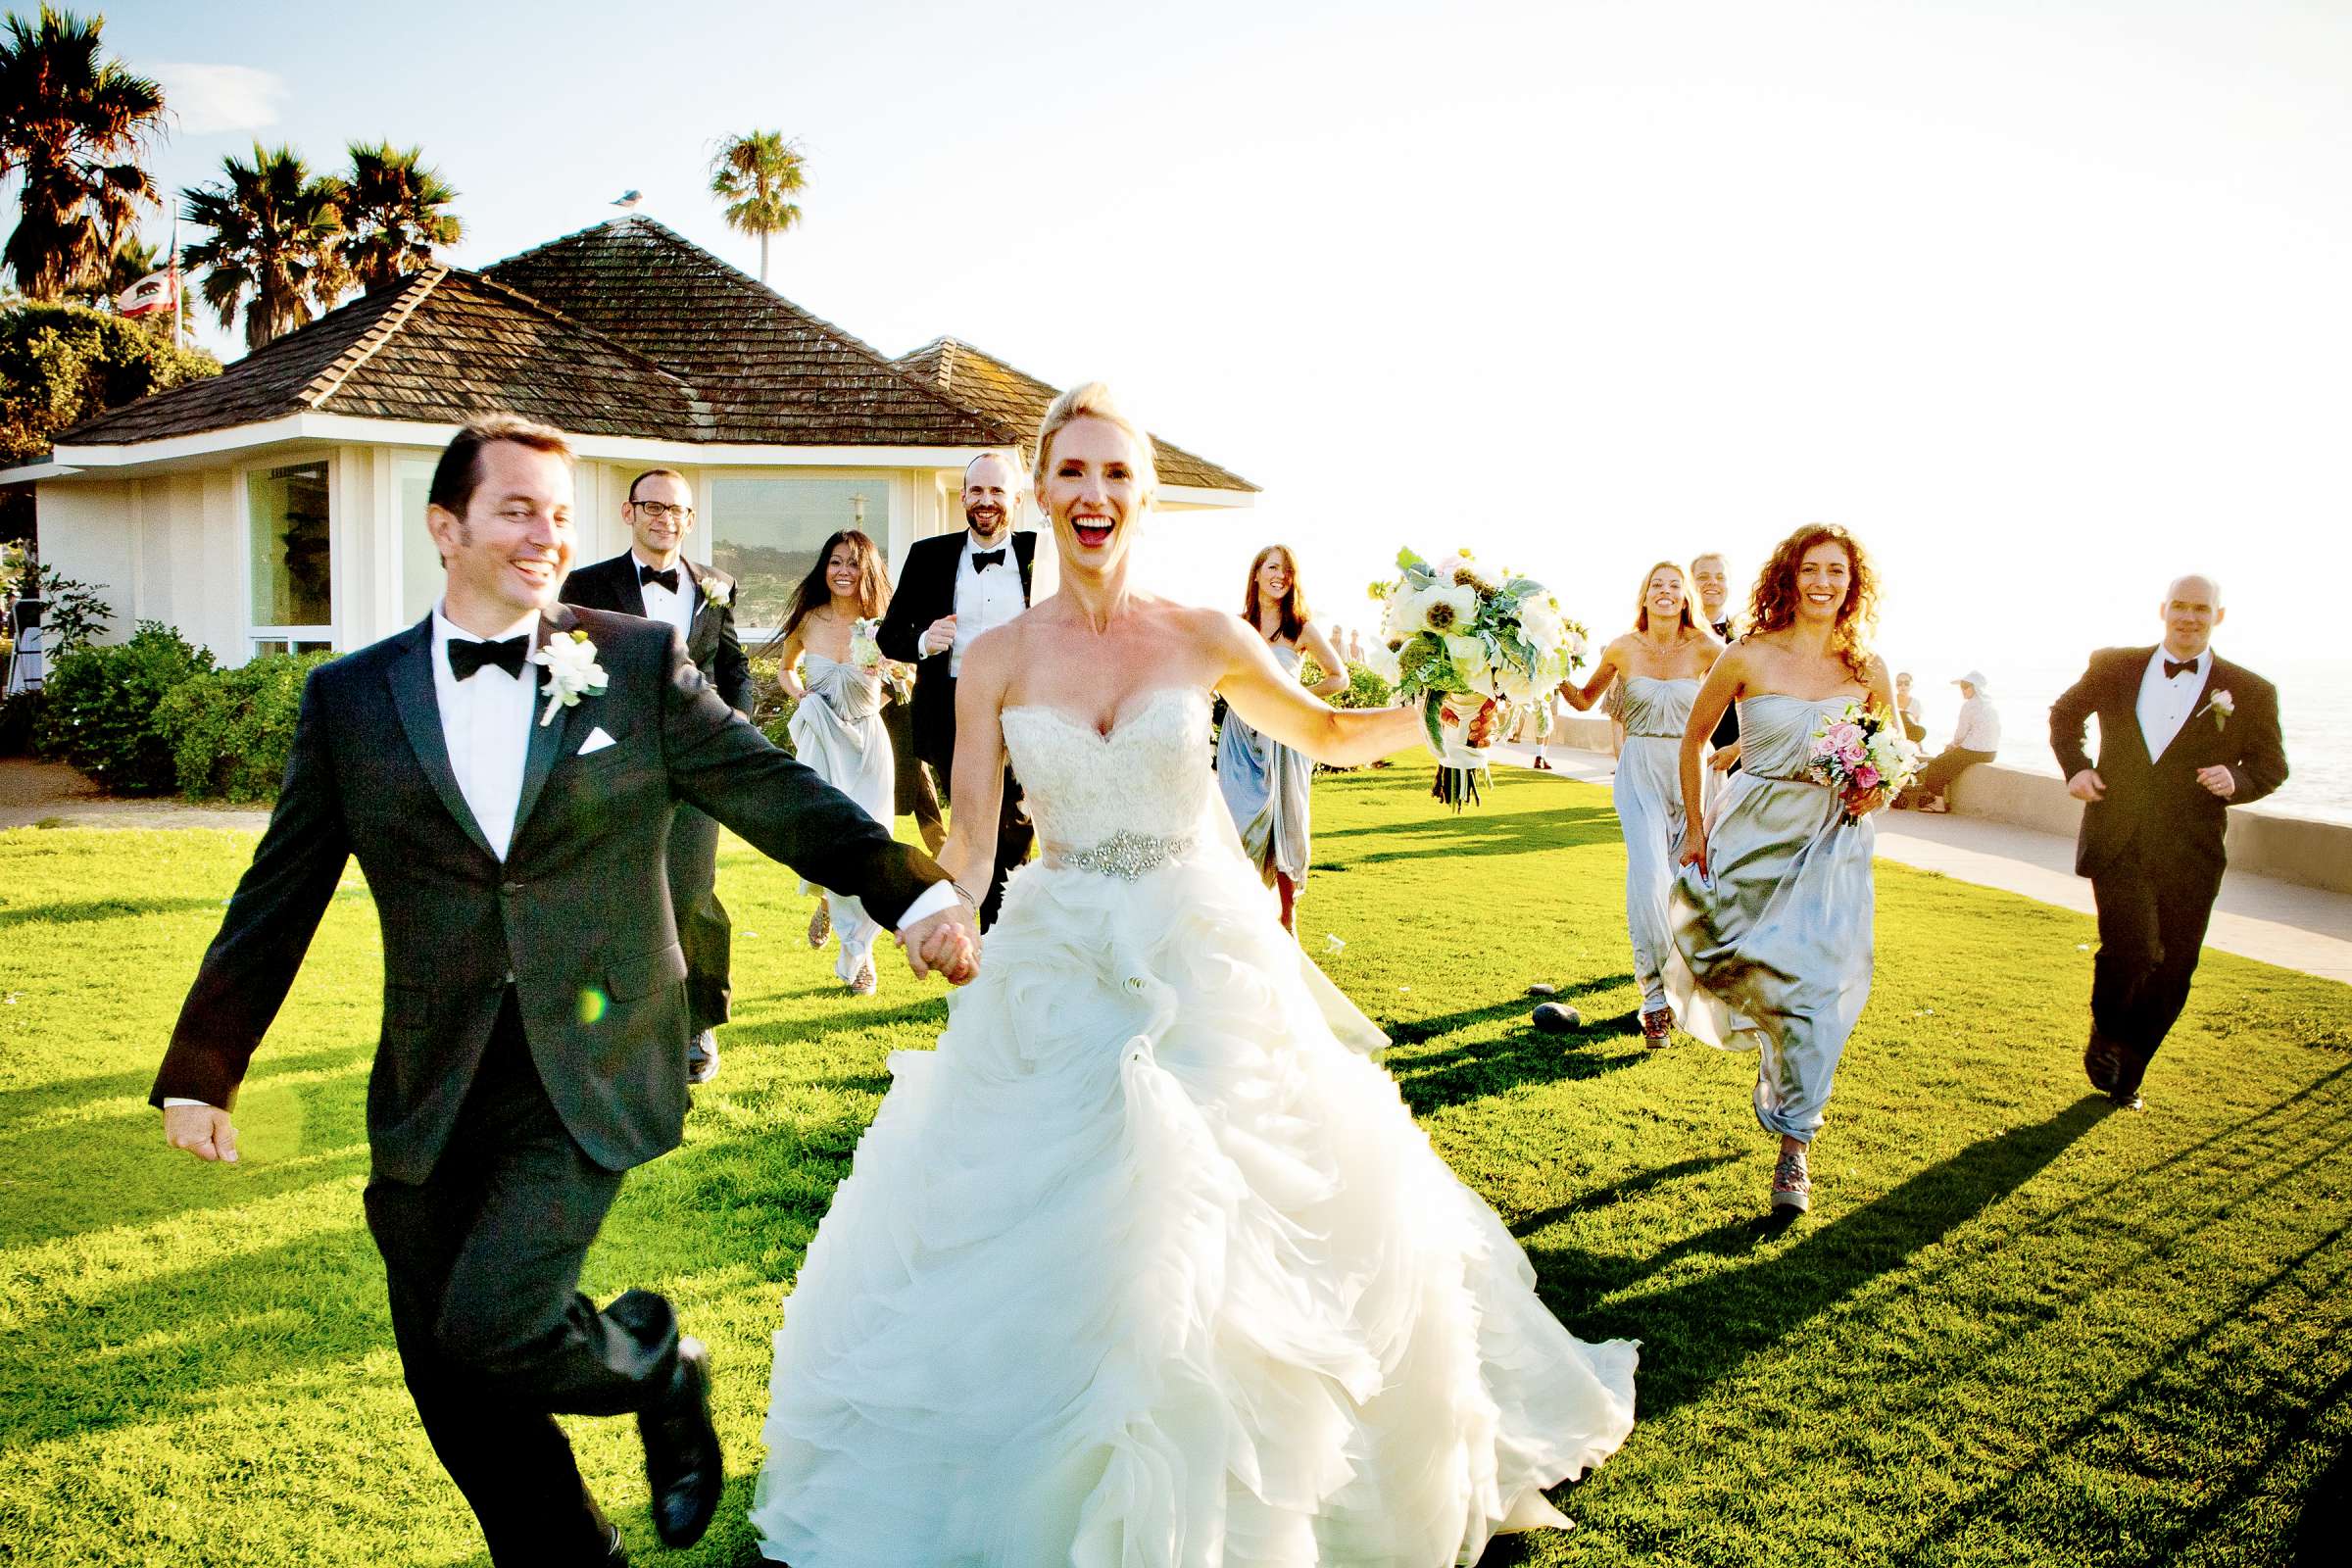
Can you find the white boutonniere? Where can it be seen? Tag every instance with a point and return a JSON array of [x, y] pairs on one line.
[[718, 591], [2221, 706], [572, 671]]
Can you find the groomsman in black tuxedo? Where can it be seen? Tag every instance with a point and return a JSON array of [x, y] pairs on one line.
[[2183, 734], [653, 579], [951, 589], [1713, 580], [535, 1010]]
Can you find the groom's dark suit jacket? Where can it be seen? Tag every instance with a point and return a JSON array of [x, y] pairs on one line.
[[926, 590], [2156, 804], [710, 640], [578, 914]]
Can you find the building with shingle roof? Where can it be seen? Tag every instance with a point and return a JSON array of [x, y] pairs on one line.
[[280, 503]]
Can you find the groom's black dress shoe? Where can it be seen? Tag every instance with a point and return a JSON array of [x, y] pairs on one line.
[[2102, 1062], [681, 1450]]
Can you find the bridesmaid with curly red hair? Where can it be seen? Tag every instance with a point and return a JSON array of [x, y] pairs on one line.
[[1773, 908]]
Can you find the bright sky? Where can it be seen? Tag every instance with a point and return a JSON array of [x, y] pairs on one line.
[[2046, 300]]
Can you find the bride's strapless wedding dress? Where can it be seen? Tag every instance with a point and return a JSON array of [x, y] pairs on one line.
[[1148, 1263]]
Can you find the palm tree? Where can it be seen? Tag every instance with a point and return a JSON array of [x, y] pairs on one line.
[[393, 213], [73, 126], [755, 176], [273, 235], [134, 258]]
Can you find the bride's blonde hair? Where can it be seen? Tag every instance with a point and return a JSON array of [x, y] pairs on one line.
[[1092, 401]]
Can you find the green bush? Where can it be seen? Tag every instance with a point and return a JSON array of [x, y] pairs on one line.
[[1365, 689], [98, 711], [229, 730], [771, 708]]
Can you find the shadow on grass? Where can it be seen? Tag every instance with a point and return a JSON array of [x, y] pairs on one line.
[[73, 912], [1430, 1080], [1707, 1328]]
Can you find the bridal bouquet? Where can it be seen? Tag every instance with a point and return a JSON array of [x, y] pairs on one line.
[[865, 648], [1862, 756], [1450, 631]]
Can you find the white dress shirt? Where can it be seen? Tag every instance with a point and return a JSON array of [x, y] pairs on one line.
[[486, 724], [2164, 704], [1978, 729], [660, 603], [984, 600]]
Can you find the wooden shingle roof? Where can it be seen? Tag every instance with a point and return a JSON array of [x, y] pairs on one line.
[[773, 373], [1021, 399], [625, 328], [436, 349]]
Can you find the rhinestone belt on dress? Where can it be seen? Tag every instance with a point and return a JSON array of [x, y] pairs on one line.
[[1128, 855]]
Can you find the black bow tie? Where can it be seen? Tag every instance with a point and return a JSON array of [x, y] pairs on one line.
[[466, 657], [2174, 666], [982, 560], [667, 576]]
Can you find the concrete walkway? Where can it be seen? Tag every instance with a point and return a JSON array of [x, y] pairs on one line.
[[36, 793], [2257, 918]]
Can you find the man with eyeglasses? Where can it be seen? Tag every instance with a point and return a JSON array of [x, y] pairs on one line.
[[653, 579]]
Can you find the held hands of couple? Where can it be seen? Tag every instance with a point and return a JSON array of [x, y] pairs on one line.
[[2087, 785], [204, 1131], [947, 944], [2218, 780]]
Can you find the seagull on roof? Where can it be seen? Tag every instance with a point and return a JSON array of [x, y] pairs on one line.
[[627, 198]]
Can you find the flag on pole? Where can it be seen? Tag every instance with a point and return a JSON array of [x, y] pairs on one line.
[[157, 291]]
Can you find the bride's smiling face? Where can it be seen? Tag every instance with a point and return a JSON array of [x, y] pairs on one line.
[[1093, 491]]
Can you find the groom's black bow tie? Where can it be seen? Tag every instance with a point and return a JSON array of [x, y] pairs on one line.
[[2174, 666], [667, 576], [982, 560], [464, 657]]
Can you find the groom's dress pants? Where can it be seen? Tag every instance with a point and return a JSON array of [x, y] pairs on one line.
[[483, 1261], [2152, 918]]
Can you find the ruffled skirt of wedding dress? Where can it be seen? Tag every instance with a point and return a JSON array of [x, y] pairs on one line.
[[1144, 1266]]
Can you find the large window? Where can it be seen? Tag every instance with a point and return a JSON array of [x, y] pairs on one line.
[[420, 558], [293, 576], [765, 531]]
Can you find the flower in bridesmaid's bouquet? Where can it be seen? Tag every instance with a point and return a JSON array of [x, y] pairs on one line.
[[865, 648], [1862, 756]]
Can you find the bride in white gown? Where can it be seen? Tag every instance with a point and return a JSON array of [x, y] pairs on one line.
[[1148, 1263]]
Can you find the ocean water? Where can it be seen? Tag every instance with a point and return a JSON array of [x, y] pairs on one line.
[[2315, 716]]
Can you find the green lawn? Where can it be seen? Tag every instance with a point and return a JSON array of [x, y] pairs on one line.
[[2015, 1329]]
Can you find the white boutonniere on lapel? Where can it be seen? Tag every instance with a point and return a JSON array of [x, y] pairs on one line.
[[572, 671], [718, 590], [2221, 706]]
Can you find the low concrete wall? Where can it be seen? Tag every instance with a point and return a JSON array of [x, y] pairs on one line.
[[2292, 849]]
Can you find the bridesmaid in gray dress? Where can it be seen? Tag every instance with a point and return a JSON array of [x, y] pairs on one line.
[[838, 729], [1655, 671], [1265, 784], [1773, 908]]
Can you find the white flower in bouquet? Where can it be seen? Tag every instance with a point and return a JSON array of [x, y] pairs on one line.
[[1540, 619], [1382, 660], [1443, 611], [865, 649]]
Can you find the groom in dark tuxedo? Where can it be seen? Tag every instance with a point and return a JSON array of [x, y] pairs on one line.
[[508, 789], [951, 589], [2183, 734], [653, 579]]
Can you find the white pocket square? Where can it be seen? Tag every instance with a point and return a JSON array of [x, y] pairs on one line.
[[597, 741]]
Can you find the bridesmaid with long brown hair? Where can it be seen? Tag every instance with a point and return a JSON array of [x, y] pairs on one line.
[[1774, 907], [1265, 784], [838, 729]]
